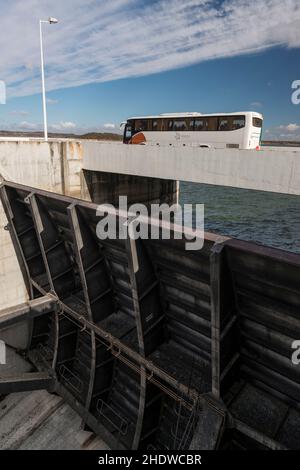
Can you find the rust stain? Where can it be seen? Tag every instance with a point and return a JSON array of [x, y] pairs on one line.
[[79, 150], [71, 148]]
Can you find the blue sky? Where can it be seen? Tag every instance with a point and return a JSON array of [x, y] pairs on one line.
[[106, 62]]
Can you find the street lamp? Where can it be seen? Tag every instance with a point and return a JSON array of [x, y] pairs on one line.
[[49, 21]]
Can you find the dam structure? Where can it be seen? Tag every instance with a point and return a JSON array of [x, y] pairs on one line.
[[154, 346]]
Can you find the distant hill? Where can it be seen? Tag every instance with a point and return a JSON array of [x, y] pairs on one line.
[[118, 137], [281, 143], [54, 135]]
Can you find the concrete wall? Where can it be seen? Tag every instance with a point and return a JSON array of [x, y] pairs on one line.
[[272, 169], [53, 166]]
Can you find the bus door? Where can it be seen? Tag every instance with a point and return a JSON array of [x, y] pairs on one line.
[[127, 133]]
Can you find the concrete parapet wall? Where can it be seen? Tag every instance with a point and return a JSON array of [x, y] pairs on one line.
[[270, 169]]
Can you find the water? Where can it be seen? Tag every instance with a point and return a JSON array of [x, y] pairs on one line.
[[268, 218]]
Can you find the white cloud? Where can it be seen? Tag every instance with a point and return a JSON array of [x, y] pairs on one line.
[[290, 127], [98, 41], [63, 125], [28, 126], [256, 104], [19, 113], [109, 125], [289, 132], [51, 101], [67, 124]]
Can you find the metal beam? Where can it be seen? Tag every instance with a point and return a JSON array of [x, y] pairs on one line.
[[209, 430], [255, 435], [27, 311], [215, 279], [224, 341], [26, 382], [81, 238], [145, 290], [117, 346]]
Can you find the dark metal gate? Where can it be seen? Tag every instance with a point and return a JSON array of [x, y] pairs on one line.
[[155, 346]]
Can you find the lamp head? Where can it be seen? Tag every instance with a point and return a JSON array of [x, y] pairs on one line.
[[52, 20]]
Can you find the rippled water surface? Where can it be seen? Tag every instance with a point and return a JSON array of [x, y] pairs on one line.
[[268, 218]]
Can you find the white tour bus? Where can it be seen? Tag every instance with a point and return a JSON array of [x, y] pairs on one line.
[[232, 130]]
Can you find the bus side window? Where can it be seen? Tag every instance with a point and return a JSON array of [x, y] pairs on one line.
[[180, 125], [238, 122], [192, 124], [141, 125], [163, 126], [200, 125], [170, 125], [156, 124], [223, 124]]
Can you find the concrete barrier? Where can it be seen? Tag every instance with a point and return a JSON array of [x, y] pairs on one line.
[[275, 170]]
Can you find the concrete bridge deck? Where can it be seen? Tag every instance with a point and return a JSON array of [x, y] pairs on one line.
[[275, 169]]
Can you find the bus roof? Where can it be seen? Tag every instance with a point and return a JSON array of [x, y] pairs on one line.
[[195, 114]]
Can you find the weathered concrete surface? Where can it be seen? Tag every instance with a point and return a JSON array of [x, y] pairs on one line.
[[54, 166], [61, 431], [17, 336], [12, 287], [14, 362], [275, 170], [38, 420]]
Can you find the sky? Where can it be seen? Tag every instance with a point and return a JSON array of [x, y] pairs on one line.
[[108, 60]]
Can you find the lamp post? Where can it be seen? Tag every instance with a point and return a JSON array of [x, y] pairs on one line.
[[49, 21]]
